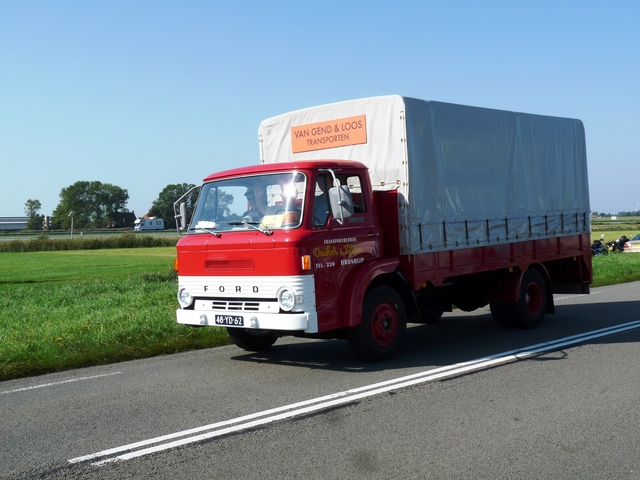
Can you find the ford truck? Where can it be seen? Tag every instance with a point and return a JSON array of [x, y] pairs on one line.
[[365, 215]]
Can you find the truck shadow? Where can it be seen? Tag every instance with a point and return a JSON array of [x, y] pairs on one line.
[[457, 337]]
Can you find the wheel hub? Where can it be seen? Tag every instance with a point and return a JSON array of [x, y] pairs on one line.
[[384, 324], [533, 298]]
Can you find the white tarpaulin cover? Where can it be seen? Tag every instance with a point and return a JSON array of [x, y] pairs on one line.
[[465, 176]]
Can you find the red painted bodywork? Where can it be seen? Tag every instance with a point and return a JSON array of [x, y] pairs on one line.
[[340, 289], [437, 267]]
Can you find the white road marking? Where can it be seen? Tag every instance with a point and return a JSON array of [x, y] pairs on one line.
[[567, 297], [238, 424], [53, 384]]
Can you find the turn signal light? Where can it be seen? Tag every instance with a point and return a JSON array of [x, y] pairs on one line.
[[175, 264], [306, 262]]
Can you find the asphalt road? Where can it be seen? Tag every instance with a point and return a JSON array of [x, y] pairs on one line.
[[529, 407]]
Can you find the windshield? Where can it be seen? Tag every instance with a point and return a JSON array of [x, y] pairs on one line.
[[260, 202]]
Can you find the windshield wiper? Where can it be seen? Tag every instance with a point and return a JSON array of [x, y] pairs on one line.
[[208, 230], [254, 225]]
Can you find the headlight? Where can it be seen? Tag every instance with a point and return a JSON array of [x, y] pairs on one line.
[[184, 297], [286, 300]]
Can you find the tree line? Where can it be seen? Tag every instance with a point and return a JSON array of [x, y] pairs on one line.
[[101, 205]]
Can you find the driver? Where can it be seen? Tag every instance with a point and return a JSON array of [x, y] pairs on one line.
[[256, 203]]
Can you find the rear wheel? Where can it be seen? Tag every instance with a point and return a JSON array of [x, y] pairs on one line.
[[252, 340], [431, 314], [383, 325], [502, 315], [430, 310], [531, 306]]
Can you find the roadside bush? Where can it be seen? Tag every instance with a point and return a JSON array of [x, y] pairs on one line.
[[44, 243]]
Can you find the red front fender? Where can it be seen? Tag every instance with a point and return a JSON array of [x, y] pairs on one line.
[[354, 297]]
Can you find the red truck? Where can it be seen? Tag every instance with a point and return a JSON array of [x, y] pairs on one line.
[[368, 214]]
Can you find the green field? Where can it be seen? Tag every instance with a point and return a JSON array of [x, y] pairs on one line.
[[75, 308], [623, 225], [79, 265], [61, 310]]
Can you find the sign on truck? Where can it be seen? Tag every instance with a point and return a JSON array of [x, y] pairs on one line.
[[365, 215]]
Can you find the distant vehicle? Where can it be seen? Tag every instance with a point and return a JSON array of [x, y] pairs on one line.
[[152, 223], [13, 224], [633, 245], [598, 247]]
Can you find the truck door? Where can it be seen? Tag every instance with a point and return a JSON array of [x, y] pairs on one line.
[[340, 249]]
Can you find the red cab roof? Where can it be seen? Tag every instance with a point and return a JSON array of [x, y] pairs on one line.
[[285, 166]]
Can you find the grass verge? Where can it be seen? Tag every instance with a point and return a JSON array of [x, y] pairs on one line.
[[71, 309], [615, 268]]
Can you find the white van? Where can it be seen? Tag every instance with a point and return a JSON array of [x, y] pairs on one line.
[[151, 223]]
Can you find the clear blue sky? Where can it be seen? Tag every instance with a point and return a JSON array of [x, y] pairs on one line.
[[142, 94]]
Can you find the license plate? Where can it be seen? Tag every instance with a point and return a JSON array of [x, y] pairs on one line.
[[231, 320]]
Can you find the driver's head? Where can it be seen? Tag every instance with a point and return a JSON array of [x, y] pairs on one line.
[[251, 198], [257, 196]]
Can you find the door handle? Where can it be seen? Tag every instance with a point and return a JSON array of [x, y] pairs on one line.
[[373, 234]]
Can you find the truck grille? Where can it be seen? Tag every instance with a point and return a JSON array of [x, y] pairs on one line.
[[238, 264], [236, 305]]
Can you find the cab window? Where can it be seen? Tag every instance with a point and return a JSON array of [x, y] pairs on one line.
[[321, 206]]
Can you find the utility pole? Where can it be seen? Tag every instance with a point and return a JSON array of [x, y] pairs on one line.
[[71, 215]]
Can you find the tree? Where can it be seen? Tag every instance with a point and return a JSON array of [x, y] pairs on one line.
[[162, 207], [94, 205], [110, 200], [35, 219]]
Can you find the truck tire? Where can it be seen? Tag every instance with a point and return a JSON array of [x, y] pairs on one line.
[[252, 340], [431, 314], [530, 308], [502, 315], [532, 304], [383, 325]]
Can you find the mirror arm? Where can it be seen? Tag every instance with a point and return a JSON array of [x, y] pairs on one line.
[[181, 218]]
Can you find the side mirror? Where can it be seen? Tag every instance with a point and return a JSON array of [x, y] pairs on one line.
[[180, 211], [183, 216], [341, 202]]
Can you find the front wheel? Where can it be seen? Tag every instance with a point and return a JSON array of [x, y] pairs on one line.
[[383, 325], [252, 340]]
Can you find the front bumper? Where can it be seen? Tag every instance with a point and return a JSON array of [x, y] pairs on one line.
[[304, 321]]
